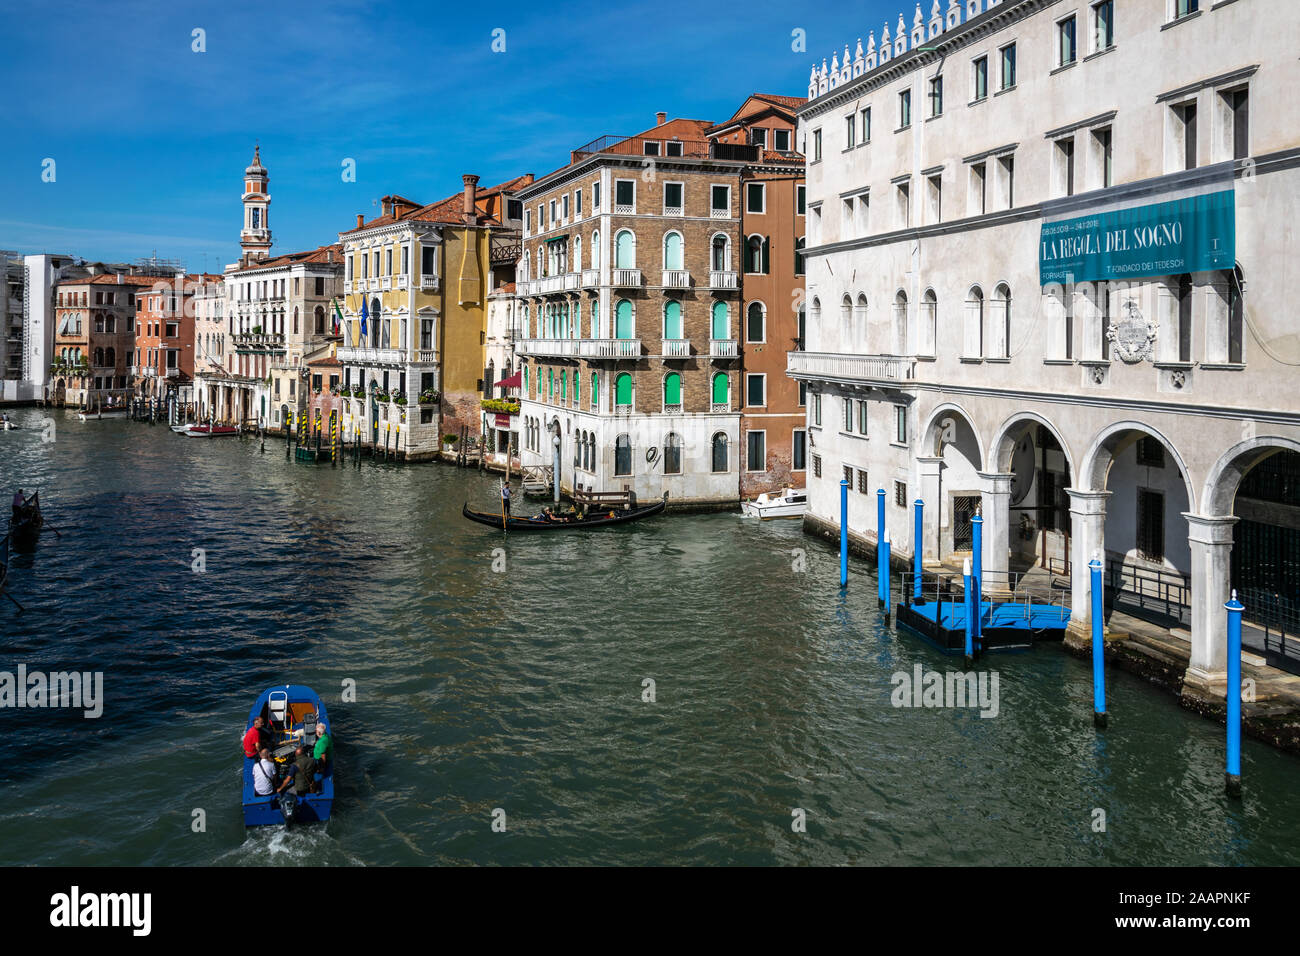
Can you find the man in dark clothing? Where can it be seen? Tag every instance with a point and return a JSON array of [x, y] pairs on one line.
[[505, 499], [304, 778]]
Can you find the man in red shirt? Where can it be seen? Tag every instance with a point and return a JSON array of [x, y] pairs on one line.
[[252, 739]]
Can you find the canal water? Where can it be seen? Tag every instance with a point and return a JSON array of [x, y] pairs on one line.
[[509, 673]]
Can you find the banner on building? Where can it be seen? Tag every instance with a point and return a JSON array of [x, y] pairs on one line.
[[1190, 228], [502, 420]]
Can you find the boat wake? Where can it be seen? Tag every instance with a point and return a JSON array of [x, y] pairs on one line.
[[276, 846]]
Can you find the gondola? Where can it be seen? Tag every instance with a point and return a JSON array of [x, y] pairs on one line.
[[599, 519], [26, 524]]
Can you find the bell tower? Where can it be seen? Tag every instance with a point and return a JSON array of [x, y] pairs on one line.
[[255, 237]]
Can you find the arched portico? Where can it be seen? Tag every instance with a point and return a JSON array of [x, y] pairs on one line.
[[1038, 463], [950, 478]]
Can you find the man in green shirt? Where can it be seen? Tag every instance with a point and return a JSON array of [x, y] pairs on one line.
[[324, 752]]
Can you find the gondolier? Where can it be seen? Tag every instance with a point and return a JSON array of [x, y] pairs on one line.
[[505, 499]]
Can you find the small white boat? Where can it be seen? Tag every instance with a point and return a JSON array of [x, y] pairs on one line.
[[95, 414], [10, 426], [789, 503], [182, 429]]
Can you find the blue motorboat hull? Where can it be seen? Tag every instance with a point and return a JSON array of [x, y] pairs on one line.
[[311, 808]]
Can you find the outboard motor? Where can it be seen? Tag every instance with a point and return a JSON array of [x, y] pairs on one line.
[[288, 808]]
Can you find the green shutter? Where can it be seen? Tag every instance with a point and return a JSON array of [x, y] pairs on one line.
[[595, 389], [673, 389], [623, 389], [720, 320], [673, 320], [720, 389], [623, 323]]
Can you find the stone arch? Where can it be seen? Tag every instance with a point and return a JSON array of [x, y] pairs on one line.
[[1095, 468], [931, 431], [1004, 443], [1221, 486]]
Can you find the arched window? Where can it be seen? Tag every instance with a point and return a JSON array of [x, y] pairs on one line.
[[755, 323], [929, 322], [721, 391], [721, 254], [721, 324], [320, 320], [623, 455], [595, 391], [860, 319], [973, 332], [672, 392], [623, 325], [99, 358], [900, 322], [816, 311], [576, 266], [595, 319], [564, 387], [110, 357], [625, 250], [595, 249], [799, 245], [673, 319], [295, 320], [673, 255], [623, 390], [757, 255], [1001, 319], [526, 392], [720, 452], [550, 384], [673, 454]]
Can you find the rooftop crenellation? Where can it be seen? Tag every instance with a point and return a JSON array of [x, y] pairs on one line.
[[827, 78]]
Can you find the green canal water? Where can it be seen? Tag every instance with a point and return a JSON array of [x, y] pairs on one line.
[[496, 672]]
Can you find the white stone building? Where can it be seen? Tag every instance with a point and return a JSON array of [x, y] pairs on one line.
[[27, 322], [1049, 242]]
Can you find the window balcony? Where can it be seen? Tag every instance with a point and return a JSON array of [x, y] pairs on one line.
[[347, 286], [627, 278], [720, 213], [724, 348], [622, 409], [173, 373], [359, 356], [373, 283], [572, 280], [590, 278], [853, 369], [401, 282], [677, 279], [426, 356], [721, 408], [673, 211], [557, 348], [429, 283], [623, 209], [386, 283], [610, 348], [676, 348], [673, 409], [723, 280]]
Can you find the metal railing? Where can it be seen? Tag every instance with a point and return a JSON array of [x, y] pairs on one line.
[[868, 368], [1148, 590], [1279, 618], [1018, 594]]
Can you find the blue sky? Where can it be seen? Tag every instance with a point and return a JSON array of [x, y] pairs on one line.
[[150, 138]]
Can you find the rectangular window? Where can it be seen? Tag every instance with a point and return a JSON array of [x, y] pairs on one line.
[[1103, 25], [651, 148], [862, 418], [672, 198], [1185, 318], [1008, 59], [758, 137], [781, 140], [900, 424], [1238, 104], [817, 408], [1185, 116], [798, 446], [624, 195], [848, 415], [936, 96], [1105, 156], [428, 260], [800, 199], [978, 189], [577, 202], [850, 128], [1065, 160], [1007, 165], [900, 494], [756, 451], [817, 146], [720, 200], [1150, 452], [672, 148], [1185, 8], [904, 205], [756, 197], [388, 261], [980, 79], [864, 483], [904, 109], [528, 221], [595, 197], [1066, 50], [803, 393], [936, 198], [756, 390], [564, 206], [817, 466], [866, 124], [848, 474], [1150, 524]]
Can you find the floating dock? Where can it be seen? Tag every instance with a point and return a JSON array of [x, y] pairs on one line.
[[1003, 624]]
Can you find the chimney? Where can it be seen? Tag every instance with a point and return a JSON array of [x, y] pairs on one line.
[[121, 277], [661, 118], [360, 220], [329, 256], [470, 210]]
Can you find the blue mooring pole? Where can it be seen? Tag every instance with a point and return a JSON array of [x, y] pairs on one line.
[[977, 579], [966, 596], [884, 562], [1233, 774], [844, 533], [1098, 646], [882, 572], [917, 533]]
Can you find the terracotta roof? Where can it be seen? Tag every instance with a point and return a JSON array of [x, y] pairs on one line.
[[791, 101], [321, 254], [447, 210], [111, 279]]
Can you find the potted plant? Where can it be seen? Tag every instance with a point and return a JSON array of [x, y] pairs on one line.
[[400, 400], [449, 442], [382, 397], [429, 396]]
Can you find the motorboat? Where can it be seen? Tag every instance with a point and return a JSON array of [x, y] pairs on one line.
[[291, 714], [787, 503]]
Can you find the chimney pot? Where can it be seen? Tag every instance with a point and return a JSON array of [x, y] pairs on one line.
[[661, 118], [470, 210], [360, 219]]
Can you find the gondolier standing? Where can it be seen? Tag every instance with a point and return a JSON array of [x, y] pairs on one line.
[[505, 499], [19, 503]]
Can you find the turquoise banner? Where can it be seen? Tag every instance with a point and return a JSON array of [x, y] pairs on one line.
[[1194, 234]]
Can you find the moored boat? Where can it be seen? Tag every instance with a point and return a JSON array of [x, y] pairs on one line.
[[181, 429], [96, 414], [211, 431], [10, 426], [291, 715], [592, 518], [788, 503]]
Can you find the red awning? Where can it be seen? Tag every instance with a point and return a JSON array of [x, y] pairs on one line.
[[514, 381]]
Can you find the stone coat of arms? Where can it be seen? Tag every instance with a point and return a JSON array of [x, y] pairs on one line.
[[1133, 337]]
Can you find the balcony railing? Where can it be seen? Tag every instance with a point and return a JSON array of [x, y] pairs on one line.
[[723, 348], [673, 211], [429, 283], [723, 280], [572, 280], [622, 409], [386, 283], [563, 348], [173, 373], [673, 409], [590, 278], [721, 408], [676, 348], [851, 368], [677, 279], [627, 277], [426, 356], [401, 282], [610, 348], [360, 356]]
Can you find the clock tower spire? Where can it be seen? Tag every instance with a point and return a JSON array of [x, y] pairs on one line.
[[255, 237]]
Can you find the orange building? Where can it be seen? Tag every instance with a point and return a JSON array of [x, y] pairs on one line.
[[94, 338], [163, 362]]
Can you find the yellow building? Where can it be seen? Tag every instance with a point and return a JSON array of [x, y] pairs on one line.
[[415, 289]]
